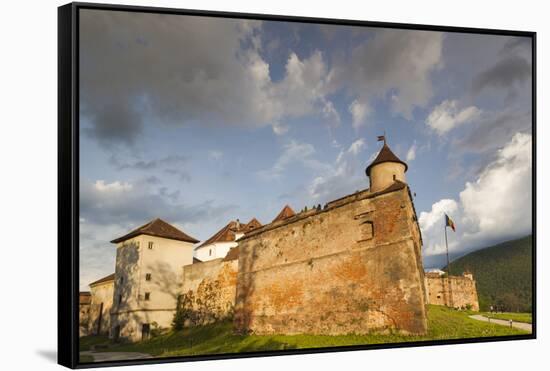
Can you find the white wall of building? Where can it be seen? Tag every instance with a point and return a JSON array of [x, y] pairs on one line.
[[147, 282], [214, 251]]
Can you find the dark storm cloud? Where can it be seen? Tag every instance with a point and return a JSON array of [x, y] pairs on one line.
[[137, 66], [399, 62], [168, 161], [494, 131], [518, 45], [173, 165], [113, 123], [128, 205], [507, 73]]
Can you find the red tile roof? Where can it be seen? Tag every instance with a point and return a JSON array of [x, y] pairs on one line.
[[385, 155], [158, 228], [226, 234], [251, 225], [108, 278], [285, 213]]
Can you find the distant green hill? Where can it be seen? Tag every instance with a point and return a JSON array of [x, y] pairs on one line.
[[503, 274]]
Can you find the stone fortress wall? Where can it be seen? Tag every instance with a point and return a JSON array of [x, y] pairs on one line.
[[455, 291], [208, 290], [353, 267]]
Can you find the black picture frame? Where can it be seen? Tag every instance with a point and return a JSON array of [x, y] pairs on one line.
[[68, 180]]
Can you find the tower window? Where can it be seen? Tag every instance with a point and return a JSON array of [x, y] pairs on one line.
[[121, 280], [147, 296], [210, 252], [394, 177], [119, 299], [150, 245], [148, 277]]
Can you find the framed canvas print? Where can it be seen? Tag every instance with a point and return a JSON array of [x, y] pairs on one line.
[[238, 185]]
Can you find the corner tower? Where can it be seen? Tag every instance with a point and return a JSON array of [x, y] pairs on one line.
[[385, 169], [149, 263]]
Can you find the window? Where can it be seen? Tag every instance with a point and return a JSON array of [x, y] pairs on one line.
[[210, 252], [121, 280], [394, 177], [119, 299], [148, 277], [147, 296], [150, 245]]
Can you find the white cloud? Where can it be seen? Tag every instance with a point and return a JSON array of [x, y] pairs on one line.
[[446, 116], [294, 152], [343, 177], [303, 90], [215, 155], [499, 201], [411, 153], [494, 207], [108, 210], [357, 146], [113, 187], [394, 65], [280, 129], [359, 112]]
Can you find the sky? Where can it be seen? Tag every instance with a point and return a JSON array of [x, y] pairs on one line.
[[199, 121]]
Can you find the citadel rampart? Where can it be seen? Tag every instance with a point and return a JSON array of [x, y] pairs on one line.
[[353, 267], [209, 290], [453, 291]]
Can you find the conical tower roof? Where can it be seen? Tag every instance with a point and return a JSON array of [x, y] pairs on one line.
[[385, 155]]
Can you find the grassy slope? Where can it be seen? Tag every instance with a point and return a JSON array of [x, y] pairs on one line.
[[503, 274], [86, 342], [218, 338]]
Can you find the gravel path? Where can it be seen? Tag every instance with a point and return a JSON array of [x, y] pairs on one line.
[[520, 325]]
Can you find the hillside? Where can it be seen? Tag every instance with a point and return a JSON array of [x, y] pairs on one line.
[[503, 273]]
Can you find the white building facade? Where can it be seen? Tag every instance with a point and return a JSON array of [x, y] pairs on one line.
[[148, 279], [224, 240]]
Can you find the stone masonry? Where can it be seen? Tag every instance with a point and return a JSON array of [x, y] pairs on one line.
[[209, 290], [455, 291], [353, 267]]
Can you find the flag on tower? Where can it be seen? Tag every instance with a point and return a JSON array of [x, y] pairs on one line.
[[381, 138], [449, 223]]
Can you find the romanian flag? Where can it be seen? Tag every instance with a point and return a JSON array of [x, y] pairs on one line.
[[449, 223]]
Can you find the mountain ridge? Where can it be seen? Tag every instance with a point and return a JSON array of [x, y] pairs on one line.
[[503, 274]]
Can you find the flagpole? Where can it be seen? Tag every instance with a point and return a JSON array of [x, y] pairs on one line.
[[448, 267]]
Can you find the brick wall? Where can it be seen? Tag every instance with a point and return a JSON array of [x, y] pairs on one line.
[[209, 290], [456, 291], [353, 267]]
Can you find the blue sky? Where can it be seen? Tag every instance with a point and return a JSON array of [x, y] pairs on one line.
[[199, 121]]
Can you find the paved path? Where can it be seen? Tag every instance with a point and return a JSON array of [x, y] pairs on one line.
[[520, 325], [115, 356]]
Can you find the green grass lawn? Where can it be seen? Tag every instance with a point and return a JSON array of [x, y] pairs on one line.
[[516, 317], [444, 323], [86, 359], [86, 342]]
